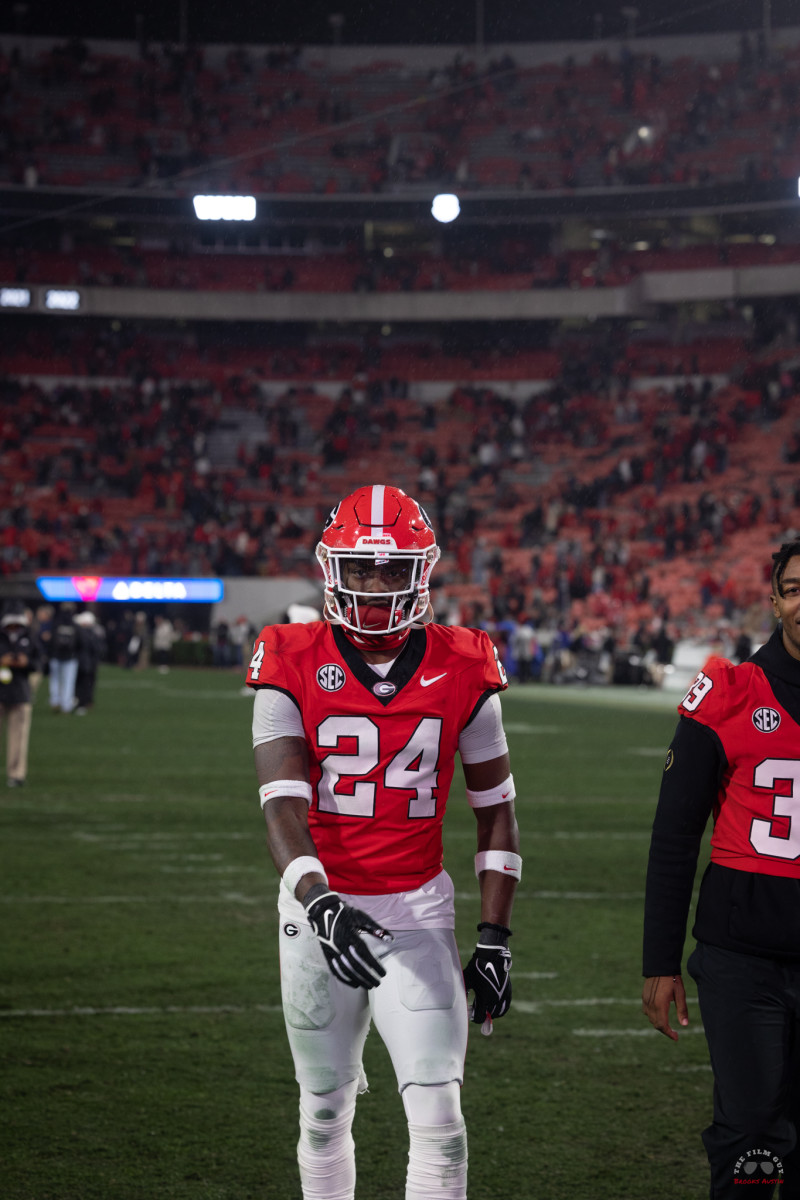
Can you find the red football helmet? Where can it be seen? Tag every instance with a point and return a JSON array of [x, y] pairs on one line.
[[377, 531]]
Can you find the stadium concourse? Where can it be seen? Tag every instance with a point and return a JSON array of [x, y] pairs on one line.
[[592, 382]]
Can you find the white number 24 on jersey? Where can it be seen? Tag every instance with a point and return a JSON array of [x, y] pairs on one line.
[[413, 768]]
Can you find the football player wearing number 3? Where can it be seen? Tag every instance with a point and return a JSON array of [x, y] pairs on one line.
[[357, 722], [736, 754]]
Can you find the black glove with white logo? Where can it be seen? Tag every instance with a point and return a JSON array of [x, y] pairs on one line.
[[487, 973], [338, 927]]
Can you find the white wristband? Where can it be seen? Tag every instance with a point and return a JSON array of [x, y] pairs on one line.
[[298, 867], [504, 793], [499, 860], [285, 787]]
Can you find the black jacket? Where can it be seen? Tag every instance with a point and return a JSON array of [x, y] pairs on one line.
[[737, 910], [64, 638], [18, 689]]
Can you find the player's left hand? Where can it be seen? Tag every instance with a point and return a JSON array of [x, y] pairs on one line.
[[487, 974], [658, 993]]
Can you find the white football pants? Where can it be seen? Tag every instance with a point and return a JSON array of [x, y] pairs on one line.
[[420, 1012]]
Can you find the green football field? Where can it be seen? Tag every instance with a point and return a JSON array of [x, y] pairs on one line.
[[141, 1037]]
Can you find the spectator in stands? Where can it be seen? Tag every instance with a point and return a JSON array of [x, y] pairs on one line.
[[63, 658], [20, 657]]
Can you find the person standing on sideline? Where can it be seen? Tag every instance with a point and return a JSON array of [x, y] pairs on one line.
[[164, 638], [20, 657], [357, 721], [736, 754], [91, 651], [63, 652]]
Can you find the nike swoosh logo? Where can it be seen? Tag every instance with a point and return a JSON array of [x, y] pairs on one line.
[[427, 682]]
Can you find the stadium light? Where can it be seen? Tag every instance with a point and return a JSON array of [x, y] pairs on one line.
[[445, 207], [62, 299], [225, 208], [15, 297]]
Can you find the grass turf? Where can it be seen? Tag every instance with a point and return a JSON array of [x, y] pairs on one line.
[[141, 1039]]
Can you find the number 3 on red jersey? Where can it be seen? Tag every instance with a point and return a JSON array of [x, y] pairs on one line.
[[766, 775]]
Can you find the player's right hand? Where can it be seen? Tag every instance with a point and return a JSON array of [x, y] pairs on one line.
[[338, 927]]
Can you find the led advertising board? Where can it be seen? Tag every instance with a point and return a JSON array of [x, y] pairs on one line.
[[127, 590]]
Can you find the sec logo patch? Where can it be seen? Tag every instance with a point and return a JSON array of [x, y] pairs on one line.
[[331, 677], [766, 720]]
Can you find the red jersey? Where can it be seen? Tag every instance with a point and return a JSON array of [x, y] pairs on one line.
[[382, 750], [757, 811]]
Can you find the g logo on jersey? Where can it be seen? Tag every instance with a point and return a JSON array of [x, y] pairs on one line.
[[331, 677], [384, 688], [766, 720]]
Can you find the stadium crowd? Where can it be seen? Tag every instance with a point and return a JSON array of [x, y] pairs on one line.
[[581, 484], [575, 504], [287, 120]]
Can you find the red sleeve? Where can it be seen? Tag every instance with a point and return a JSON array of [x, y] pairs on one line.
[[266, 665], [494, 672], [708, 696], [478, 653]]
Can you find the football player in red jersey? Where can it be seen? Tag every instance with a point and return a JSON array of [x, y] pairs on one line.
[[736, 754], [357, 722]]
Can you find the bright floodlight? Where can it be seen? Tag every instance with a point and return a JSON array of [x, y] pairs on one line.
[[445, 207], [225, 208], [15, 297], [62, 299]]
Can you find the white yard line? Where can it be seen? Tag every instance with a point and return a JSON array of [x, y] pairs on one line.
[[148, 1011], [523, 1007], [645, 1030]]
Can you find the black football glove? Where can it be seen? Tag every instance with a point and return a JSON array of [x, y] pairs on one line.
[[487, 973], [338, 925]]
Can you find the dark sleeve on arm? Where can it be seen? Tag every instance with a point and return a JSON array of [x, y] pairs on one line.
[[689, 789]]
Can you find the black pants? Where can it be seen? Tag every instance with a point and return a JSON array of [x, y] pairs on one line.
[[751, 1014], [84, 688]]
